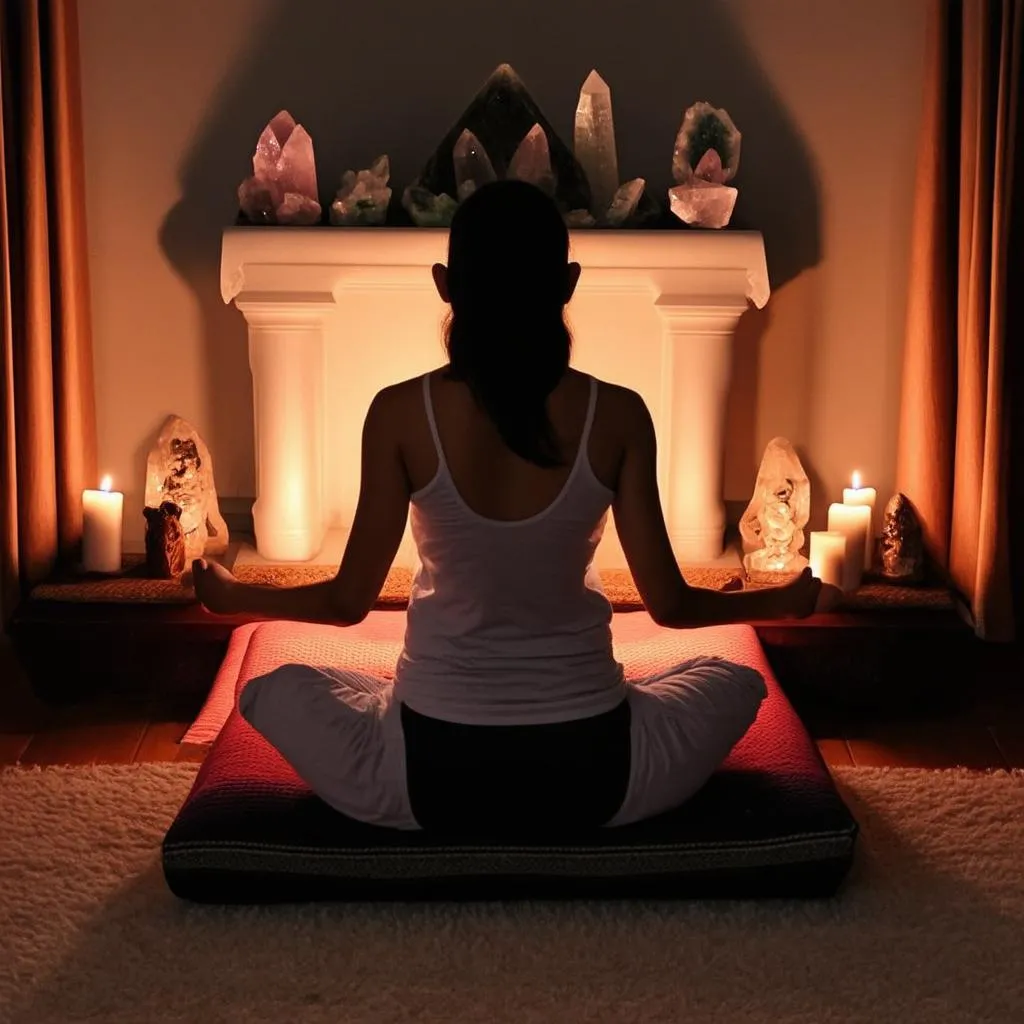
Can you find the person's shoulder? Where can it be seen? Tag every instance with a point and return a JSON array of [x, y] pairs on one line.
[[622, 405], [399, 397]]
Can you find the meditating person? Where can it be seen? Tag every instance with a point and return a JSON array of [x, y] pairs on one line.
[[509, 713]]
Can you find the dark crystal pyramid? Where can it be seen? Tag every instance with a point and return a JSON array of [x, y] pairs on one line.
[[500, 116]]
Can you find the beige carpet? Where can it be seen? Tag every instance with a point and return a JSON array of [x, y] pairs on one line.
[[929, 929]]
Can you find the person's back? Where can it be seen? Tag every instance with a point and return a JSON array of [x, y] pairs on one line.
[[508, 710], [507, 623]]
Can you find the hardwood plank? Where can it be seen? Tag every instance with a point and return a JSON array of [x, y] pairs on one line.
[[835, 752], [109, 742], [925, 745], [12, 746], [160, 741]]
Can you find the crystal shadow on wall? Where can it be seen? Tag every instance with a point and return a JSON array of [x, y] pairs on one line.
[[504, 134]]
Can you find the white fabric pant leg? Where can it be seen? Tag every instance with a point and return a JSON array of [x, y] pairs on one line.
[[342, 733], [683, 724]]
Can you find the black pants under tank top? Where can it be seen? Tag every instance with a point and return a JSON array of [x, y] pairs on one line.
[[521, 780]]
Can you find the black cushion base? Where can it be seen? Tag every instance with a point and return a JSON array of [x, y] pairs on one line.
[[769, 823]]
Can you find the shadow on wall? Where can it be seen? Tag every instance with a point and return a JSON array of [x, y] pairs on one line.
[[361, 91]]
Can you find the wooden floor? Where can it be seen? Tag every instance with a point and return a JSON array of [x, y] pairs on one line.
[[983, 730]]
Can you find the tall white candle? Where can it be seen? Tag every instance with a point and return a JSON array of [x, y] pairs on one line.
[[852, 521], [857, 495], [102, 512], [828, 557]]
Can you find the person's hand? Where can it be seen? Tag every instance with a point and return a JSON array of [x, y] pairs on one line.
[[800, 597], [215, 586]]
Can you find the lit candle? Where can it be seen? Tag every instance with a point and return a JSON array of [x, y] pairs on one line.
[[101, 528], [853, 522], [828, 557], [857, 495]]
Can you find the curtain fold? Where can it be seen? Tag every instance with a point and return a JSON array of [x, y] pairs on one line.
[[47, 410], [953, 454]]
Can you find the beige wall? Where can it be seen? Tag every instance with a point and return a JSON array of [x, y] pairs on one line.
[[826, 93]]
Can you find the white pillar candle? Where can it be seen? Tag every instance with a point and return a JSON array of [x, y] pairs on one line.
[[857, 495], [828, 557], [852, 521], [101, 528]]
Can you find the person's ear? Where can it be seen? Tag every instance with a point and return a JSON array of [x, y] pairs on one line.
[[439, 272], [573, 279]]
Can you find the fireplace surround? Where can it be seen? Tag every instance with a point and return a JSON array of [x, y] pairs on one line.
[[336, 314]]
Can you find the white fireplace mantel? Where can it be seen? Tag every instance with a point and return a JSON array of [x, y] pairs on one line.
[[334, 314]]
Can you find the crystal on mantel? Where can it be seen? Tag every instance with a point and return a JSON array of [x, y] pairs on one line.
[[532, 161], [706, 156], [624, 204], [179, 469], [426, 209], [594, 142], [473, 167], [500, 116], [363, 197], [282, 189]]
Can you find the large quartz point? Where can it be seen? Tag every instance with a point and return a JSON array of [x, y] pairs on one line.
[[179, 469], [473, 166], [500, 117], [594, 142], [902, 542], [706, 156], [532, 161], [363, 197], [282, 189], [772, 527]]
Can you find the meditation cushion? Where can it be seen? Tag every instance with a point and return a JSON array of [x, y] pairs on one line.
[[768, 823]]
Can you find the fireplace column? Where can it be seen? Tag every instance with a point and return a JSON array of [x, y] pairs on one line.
[[286, 355], [697, 359]]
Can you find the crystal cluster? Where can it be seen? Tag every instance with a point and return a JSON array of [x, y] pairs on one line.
[[282, 189], [179, 470], [364, 196], [772, 527], [706, 156], [612, 203], [501, 134]]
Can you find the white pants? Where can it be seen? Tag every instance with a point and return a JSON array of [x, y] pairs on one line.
[[342, 733]]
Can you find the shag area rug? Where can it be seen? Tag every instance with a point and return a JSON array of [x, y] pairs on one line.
[[929, 928]]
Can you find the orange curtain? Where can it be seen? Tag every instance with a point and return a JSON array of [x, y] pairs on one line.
[[953, 456], [47, 413]]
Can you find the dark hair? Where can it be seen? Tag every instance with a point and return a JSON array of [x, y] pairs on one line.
[[506, 336]]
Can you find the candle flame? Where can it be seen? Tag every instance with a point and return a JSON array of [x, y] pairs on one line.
[[106, 483], [856, 480]]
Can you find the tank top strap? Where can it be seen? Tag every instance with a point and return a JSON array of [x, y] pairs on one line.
[[428, 404], [588, 423]]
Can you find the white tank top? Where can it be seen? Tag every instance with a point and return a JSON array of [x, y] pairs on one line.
[[507, 622]]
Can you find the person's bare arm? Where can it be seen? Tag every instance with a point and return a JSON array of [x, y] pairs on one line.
[[640, 523], [377, 530]]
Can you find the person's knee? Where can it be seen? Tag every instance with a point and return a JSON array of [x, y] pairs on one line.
[[263, 692]]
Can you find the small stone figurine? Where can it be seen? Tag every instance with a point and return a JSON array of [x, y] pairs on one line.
[[902, 542], [165, 542]]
